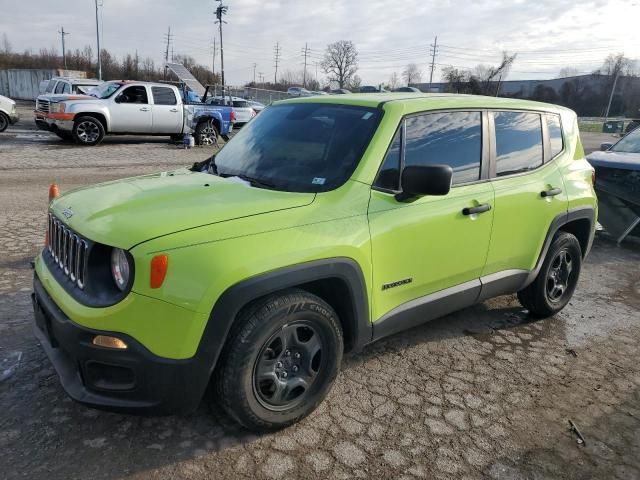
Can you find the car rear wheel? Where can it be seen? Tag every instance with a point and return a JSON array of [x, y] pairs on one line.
[[280, 361], [554, 286], [4, 121], [87, 131], [206, 133]]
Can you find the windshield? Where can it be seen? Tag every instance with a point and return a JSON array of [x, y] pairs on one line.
[[628, 144], [306, 147], [85, 89], [106, 89]]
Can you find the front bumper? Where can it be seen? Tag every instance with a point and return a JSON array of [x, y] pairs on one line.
[[130, 381], [48, 123], [14, 118]]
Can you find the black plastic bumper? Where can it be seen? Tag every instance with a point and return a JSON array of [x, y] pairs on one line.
[[129, 381], [13, 119]]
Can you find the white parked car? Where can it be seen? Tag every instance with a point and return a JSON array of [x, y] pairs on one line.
[[69, 85], [8, 114], [244, 111]]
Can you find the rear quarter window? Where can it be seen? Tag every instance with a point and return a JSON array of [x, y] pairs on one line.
[[163, 96], [554, 127]]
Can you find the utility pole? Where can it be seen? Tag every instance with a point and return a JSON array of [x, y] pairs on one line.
[[166, 53], [254, 74], [220, 11], [261, 75], [137, 70], [305, 52], [276, 52], [613, 89], [213, 62], [98, 41], [64, 54], [434, 50]]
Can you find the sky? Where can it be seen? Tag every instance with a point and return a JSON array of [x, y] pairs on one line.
[[547, 35]]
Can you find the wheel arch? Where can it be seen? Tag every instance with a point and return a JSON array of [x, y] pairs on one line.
[[101, 117], [580, 222], [338, 281]]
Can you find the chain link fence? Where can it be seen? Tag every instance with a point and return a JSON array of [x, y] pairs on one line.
[[249, 93]]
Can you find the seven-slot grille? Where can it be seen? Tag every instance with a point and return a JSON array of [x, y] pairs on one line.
[[68, 250], [42, 106]]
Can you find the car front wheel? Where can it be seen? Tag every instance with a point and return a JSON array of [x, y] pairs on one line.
[[4, 122], [554, 286], [87, 131], [280, 361]]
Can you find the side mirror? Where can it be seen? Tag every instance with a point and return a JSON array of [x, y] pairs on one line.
[[418, 181], [118, 99], [605, 146]]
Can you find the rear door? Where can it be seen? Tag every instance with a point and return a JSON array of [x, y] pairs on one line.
[[529, 189], [167, 113], [434, 242], [130, 110]]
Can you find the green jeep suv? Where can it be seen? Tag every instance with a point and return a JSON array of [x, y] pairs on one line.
[[326, 224]]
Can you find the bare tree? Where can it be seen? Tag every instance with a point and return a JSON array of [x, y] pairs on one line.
[[355, 83], [341, 62], [568, 72], [6, 44], [394, 81], [412, 74], [483, 80]]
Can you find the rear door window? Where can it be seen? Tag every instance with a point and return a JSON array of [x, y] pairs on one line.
[[518, 142], [163, 96]]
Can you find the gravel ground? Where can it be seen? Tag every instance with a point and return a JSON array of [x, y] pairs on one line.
[[486, 392]]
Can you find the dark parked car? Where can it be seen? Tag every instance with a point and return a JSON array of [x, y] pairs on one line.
[[407, 89], [340, 91], [372, 89]]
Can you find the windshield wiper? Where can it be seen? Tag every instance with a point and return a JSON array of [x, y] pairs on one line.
[[255, 182]]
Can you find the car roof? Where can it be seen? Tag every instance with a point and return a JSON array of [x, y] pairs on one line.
[[79, 81], [415, 102]]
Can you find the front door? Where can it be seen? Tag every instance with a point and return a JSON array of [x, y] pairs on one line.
[[167, 114], [130, 111], [434, 242], [528, 186]]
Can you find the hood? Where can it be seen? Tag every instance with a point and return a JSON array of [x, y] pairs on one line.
[[127, 212], [609, 159], [62, 97]]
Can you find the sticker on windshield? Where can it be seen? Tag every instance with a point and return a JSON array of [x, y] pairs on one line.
[[318, 181], [367, 116]]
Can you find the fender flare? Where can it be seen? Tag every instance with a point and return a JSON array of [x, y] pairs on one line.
[[236, 297], [578, 213]]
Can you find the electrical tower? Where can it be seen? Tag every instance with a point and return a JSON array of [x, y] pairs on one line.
[[305, 52], [166, 52], [64, 53], [276, 52], [220, 12], [433, 51]]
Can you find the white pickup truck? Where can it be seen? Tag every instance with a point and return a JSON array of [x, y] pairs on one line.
[[131, 108]]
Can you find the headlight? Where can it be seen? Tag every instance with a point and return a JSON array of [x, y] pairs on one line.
[[120, 268], [57, 108]]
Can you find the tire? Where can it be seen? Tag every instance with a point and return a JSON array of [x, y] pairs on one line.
[[66, 136], [4, 121], [206, 133], [556, 282], [280, 361], [87, 131]]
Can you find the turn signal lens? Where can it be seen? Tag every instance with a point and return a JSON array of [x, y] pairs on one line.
[[159, 265], [109, 342], [53, 192]]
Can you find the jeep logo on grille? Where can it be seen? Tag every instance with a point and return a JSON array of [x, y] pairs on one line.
[[67, 212]]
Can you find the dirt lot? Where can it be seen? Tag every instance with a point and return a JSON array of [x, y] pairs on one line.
[[486, 392]]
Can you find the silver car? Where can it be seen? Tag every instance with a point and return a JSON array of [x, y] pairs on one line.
[[8, 115], [244, 110]]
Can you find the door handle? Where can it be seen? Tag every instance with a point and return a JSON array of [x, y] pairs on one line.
[[485, 207], [144, 109], [551, 193], [173, 110]]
